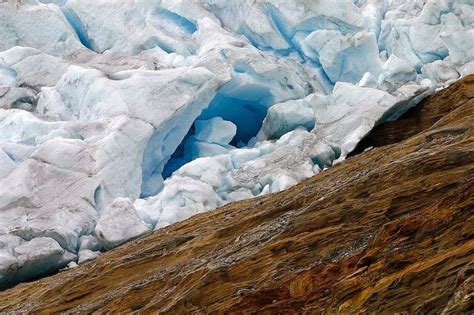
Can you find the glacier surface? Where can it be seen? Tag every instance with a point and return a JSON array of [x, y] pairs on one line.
[[121, 117]]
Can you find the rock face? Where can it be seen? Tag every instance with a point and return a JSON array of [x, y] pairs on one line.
[[386, 231]]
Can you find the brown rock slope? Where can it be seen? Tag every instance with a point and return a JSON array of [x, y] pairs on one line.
[[390, 230]]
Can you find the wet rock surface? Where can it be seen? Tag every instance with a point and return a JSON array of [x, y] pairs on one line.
[[389, 230]]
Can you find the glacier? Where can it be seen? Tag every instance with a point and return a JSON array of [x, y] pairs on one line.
[[121, 117]]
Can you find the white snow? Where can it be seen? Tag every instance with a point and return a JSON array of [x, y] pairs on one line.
[[119, 117]]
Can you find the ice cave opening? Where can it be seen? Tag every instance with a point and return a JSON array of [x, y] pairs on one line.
[[237, 117]]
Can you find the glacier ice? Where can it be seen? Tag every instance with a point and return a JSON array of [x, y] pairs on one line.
[[396, 72], [89, 242], [120, 117], [285, 117], [344, 57], [440, 71], [50, 33], [119, 223], [215, 130], [86, 255], [23, 260]]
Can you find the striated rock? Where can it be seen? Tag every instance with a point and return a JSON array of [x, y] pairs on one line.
[[387, 231]]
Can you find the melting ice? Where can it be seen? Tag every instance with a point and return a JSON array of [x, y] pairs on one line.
[[119, 117]]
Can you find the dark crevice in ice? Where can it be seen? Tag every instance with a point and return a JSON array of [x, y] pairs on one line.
[[179, 20], [77, 27], [281, 28], [98, 199]]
